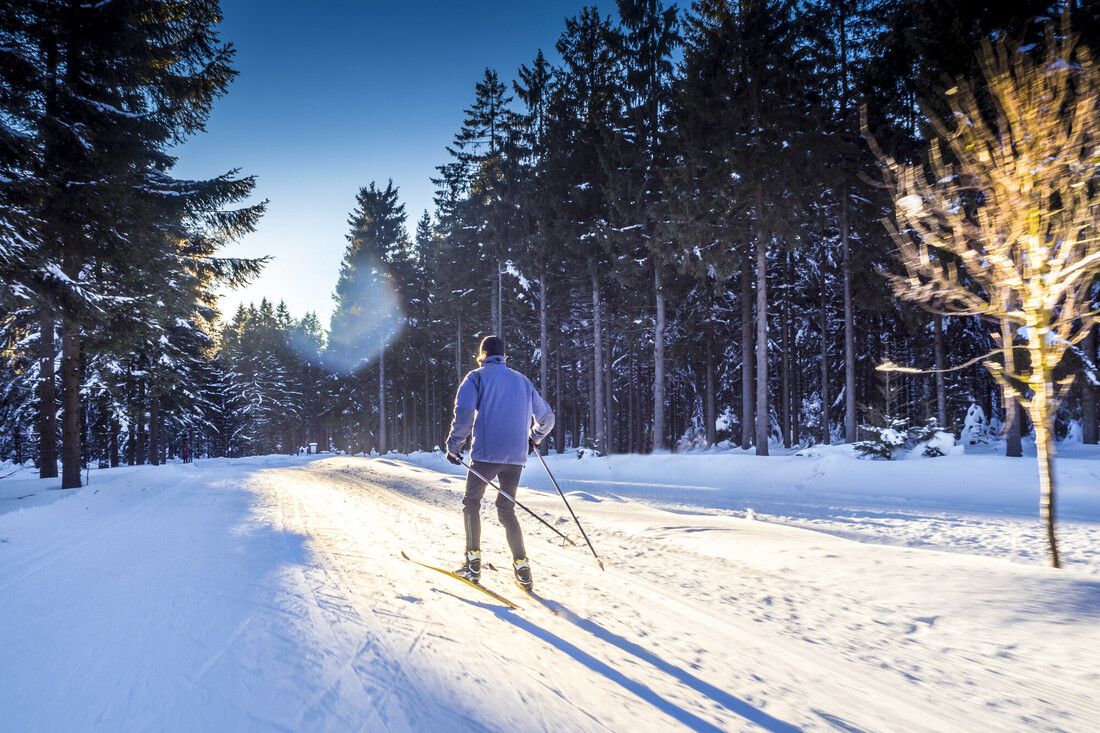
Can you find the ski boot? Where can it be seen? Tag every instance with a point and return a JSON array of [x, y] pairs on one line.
[[523, 574], [471, 569]]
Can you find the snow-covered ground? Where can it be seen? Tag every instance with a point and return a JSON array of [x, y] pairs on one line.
[[270, 593], [982, 504]]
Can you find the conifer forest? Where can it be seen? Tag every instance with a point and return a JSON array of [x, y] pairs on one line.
[[556, 365], [682, 219]]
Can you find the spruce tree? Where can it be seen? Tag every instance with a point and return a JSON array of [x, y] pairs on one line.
[[367, 317], [119, 83]]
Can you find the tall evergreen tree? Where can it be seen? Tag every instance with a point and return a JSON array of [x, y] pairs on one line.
[[367, 317]]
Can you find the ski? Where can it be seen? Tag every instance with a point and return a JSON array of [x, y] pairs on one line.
[[539, 599], [492, 594]]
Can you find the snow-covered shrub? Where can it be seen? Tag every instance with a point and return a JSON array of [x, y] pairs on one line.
[[883, 441], [695, 436], [725, 425], [891, 435], [1065, 427], [813, 414], [975, 427], [930, 440]]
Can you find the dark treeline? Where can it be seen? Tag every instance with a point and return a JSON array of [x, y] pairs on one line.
[[673, 220], [677, 228]]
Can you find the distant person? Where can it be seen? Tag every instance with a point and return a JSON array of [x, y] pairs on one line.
[[509, 419]]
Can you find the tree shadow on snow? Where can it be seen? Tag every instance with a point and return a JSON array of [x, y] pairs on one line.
[[1074, 601], [643, 691]]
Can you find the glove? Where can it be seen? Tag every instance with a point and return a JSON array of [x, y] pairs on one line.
[[532, 446], [454, 458]]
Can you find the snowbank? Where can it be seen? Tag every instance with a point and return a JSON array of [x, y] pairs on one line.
[[986, 483]]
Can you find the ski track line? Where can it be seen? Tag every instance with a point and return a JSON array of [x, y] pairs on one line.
[[334, 581], [689, 614], [68, 543], [826, 672], [394, 497], [370, 655], [370, 488], [691, 694]]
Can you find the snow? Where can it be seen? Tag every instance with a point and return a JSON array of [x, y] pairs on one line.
[[269, 593]]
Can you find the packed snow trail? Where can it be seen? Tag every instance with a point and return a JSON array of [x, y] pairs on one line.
[[271, 594]]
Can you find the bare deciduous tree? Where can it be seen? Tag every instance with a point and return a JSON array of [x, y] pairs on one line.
[[1002, 222]]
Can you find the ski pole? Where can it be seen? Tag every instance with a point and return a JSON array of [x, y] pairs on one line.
[[583, 533], [512, 499]]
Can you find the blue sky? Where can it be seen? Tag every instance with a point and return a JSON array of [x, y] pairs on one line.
[[334, 94]]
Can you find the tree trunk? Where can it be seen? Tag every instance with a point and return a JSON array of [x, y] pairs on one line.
[[544, 350], [785, 376], [1042, 388], [578, 418], [131, 435], [497, 304], [458, 353], [382, 402], [796, 404], [826, 402], [941, 374], [1044, 447], [426, 435], [155, 448], [544, 340], [631, 408], [71, 422], [709, 404], [559, 423], [850, 433], [103, 432], [761, 329], [748, 408], [113, 441], [1089, 428], [1012, 429], [597, 367], [47, 399], [659, 431], [608, 390]]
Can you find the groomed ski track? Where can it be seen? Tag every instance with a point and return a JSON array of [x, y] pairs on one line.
[[271, 594]]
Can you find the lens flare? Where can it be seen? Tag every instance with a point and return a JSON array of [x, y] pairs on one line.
[[367, 320]]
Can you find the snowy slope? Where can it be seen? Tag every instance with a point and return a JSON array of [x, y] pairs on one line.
[[270, 594], [984, 504]]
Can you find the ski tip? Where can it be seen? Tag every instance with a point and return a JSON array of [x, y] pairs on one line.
[[405, 556]]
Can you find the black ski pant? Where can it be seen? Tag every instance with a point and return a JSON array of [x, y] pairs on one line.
[[507, 477]]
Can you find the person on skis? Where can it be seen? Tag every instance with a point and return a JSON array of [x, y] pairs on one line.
[[508, 418]]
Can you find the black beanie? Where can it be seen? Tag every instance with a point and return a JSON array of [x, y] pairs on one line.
[[492, 346]]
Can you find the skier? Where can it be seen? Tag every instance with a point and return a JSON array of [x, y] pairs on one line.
[[509, 419]]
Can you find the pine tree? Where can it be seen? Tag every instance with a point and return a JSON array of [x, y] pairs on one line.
[[646, 44], [585, 107], [367, 317], [118, 83]]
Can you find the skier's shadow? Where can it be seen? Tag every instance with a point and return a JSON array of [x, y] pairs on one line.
[[691, 720]]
